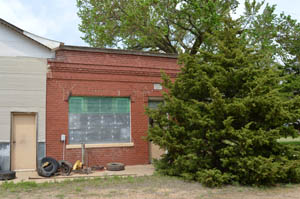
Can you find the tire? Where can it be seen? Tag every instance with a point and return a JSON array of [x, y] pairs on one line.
[[115, 166], [7, 175], [65, 167], [48, 170]]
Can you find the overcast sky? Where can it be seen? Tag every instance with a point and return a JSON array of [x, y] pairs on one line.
[[57, 19]]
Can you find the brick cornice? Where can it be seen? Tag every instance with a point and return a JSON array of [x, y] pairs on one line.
[[56, 64], [109, 71]]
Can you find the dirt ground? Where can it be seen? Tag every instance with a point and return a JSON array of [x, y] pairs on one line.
[[146, 187]]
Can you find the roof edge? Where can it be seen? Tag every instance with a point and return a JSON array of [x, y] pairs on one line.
[[52, 44], [117, 51], [48, 43], [11, 26]]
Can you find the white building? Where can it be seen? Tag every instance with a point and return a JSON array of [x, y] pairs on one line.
[[23, 68]]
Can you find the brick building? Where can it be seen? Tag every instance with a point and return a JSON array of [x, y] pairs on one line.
[[98, 97]]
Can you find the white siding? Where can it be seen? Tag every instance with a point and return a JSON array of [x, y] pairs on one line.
[[14, 44], [22, 89]]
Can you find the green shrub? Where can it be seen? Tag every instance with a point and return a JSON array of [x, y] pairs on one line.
[[223, 115], [213, 177]]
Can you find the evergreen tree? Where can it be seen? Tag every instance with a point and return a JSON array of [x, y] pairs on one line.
[[223, 115]]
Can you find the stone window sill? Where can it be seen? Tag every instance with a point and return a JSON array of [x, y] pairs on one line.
[[77, 146]]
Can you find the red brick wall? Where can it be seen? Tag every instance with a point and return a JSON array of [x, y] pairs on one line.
[[81, 73]]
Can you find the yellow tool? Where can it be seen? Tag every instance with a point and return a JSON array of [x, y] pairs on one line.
[[77, 165], [45, 164]]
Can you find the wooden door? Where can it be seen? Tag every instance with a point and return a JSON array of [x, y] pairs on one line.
[[155, 152], [23, 142]]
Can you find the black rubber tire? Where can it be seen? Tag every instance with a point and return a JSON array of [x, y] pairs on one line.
[[7, 175], [52, 160], [65, 167], [115, 166], [49, 170], [49, 167]]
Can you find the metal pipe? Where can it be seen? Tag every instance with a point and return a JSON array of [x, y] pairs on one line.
[[82, 153], [64, 148]]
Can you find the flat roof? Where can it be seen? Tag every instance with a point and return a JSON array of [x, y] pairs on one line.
[[117, 51]]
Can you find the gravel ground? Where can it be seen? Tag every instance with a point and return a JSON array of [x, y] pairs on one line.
[[147, 187]]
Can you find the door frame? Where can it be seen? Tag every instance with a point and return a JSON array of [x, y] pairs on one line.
[[11, 135], [155, 99]]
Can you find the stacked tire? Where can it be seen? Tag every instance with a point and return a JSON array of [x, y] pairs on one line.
[[65, 167], [48, 167], [7, 175]]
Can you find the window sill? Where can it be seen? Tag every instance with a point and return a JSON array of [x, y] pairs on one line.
[[77, 146]]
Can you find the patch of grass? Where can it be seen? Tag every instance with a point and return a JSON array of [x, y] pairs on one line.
[[60, 196], [78, 180], [133, 187], [20, 186], [297, 143], [28, 185], [25, 185], [78, 189], [129, 179], [288, 185]]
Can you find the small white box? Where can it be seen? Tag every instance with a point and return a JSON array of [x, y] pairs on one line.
[[157, 87], [63, 137]]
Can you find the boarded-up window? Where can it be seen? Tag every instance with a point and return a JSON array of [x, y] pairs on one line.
[[153, 104], [94, 120]]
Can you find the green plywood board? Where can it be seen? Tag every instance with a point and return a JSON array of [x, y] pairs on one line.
[[99, 105]]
